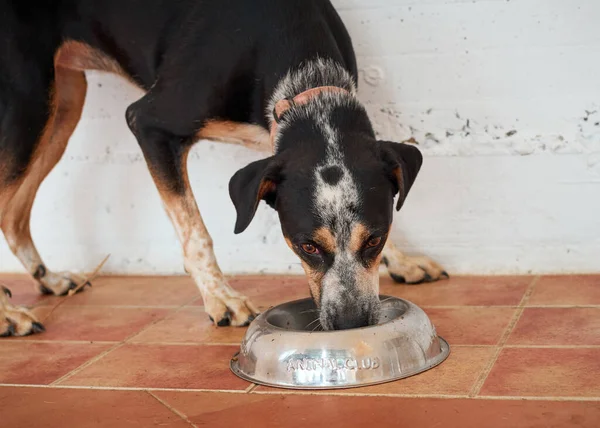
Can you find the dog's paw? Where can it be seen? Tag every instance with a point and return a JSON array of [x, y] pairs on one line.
[[226, 306], [16, 321], [59, 283], [413, 270]]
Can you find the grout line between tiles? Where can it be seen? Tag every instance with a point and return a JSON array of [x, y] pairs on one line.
[[118, 345], [171, 408], [507, 332], [86, 364], [64, 341], [534, 398], [562, 306], [167, 315], [100, 342], [191, 305], [308, 392], [186, 343], [468, 306], [88, 305], [121, 388], [552, 346]]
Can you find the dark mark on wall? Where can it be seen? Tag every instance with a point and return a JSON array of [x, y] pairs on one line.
[[431, 137], [511, 133], [588, 114]]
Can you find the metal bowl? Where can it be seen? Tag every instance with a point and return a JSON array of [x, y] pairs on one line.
[[280, 349]]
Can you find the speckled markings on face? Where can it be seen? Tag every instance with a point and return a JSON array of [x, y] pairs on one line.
[[336, 198]]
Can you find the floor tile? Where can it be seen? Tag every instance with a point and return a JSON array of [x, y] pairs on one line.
[[190, 325], [557, 326], [470, 325], [455, 376], [25, 291], [303, 410], [137, 291], [566, 290], [163, 366], [54, 408], [462, 290], [269, 290], [42, 363], [545, 372], [94, 323]]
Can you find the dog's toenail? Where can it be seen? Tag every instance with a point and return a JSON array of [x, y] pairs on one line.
[[427, 278], [385, 261], [12, 330], [6, 291], [45, 290], [87, 283], [445, 274], [398, 278], [226, 320], [37, 327], [211, 319]]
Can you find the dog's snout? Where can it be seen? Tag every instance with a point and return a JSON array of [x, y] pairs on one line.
[[345, 320], [344, 317]]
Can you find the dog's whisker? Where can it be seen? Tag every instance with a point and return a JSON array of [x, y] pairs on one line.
[[318, 326], [311, 323]]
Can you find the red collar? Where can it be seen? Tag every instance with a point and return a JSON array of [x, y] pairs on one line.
[[285, 104]]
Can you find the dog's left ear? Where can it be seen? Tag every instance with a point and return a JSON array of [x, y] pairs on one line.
[[250, 185], [403, 162]]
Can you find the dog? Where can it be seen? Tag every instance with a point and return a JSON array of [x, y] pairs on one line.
[[271, 75]]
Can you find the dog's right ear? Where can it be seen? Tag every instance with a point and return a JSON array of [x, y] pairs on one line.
[[256, 182]]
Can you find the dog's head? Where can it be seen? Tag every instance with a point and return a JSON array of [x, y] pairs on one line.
[[333, 187]]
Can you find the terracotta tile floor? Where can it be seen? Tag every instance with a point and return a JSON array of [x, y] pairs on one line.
[[140, 351]]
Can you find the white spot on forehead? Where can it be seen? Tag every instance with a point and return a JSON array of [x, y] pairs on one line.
[[332, 201]]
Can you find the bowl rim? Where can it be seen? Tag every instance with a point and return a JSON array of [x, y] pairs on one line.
[[277, 328]]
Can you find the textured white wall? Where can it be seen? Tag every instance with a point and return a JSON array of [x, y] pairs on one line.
[[503, 96]]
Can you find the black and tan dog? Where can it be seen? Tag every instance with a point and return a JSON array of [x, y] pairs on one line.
[[268, 74]]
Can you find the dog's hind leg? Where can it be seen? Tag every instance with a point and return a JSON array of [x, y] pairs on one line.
[[67, 97], [410, 269]]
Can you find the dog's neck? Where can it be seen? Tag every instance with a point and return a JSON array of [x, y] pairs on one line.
[[321, 86]]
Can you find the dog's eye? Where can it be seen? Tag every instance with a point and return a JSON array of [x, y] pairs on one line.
[[373, 242], [309, 249]]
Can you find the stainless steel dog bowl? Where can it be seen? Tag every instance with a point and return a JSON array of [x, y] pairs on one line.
[[280, 349]]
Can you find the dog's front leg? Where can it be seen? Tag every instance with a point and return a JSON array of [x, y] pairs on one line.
[[410, 269], [166, 153]]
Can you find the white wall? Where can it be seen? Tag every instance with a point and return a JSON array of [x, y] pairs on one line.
[[503, 95]]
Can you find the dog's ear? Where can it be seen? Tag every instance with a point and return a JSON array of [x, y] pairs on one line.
[[250, 185], [403, 162]]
